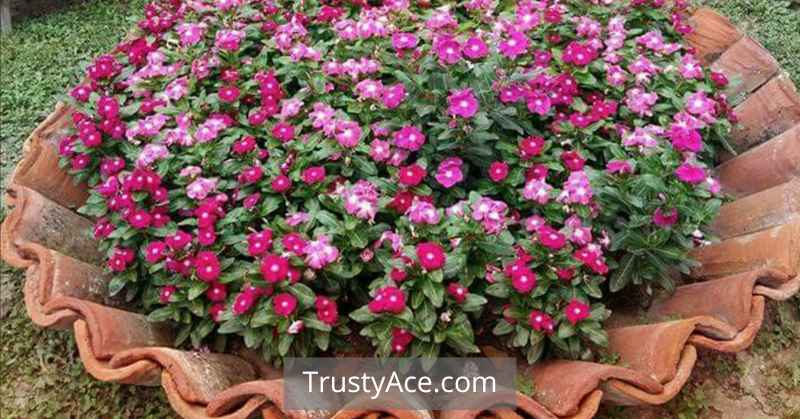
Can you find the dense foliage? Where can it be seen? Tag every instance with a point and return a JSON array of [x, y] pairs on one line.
[[298, 173]]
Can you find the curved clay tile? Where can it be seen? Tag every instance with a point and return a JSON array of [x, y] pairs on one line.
[[757, 259]]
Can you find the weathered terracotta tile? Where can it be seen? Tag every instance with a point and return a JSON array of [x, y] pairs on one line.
[[561, 385], [727, 299], [743, 339], [653, 349], [713, 34], [198, 376], [770, 111], [776, 248], [39, 168], [525, 404], [140, 372], [748, 65], [770, 164], [189, 410], [36, 219], [268, 391], [624, 393], [768, 208], [113, 330]]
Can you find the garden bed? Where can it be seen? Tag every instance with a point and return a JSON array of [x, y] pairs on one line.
[[757, 259]]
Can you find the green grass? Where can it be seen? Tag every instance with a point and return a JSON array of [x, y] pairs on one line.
[[40, 373]]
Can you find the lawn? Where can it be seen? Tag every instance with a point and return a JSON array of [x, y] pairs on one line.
[[40, 373]]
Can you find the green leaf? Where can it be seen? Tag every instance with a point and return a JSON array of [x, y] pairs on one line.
[[363, 315], [284, 343], [622, 276], [303, 293], [502, 328], [473, 302], [161, 314]]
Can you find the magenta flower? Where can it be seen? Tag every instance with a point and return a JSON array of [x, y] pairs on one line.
[[475, 48], [449, 172], [462, 103], [448, 50], [229, 40], [409, 137], [576, 311], [515, 45], [665, 218], [284, 304], [403, 40], [320, 253], [689, 173]]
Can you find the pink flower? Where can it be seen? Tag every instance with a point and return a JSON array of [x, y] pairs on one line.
[[200, 188], [515, 45], [207, 266], [404, 40], [523, 280], [537, 190], [462, 103], [361, 200], [640, 102], [165, 295], [320, 253], [229, 40], [190, 33], [448, 50], [348, 133], [281, 184], [576, 311], [449, 172], [388, 299], [530, 147], [498, 171], [217, 292], [423, 212], [228, 94], [685, 139], [313, 174], [458, 292], [699, 104], [491, 213], [577, 189], [475, 48], [327, 312], [284, 304], [140, 219], [665, 219], [411, 175], [690, 68], [179, 240], [245, 300], [154, 252], [539, 103], [431, 256], [379, 150], [573, 160], [283, 131], [541, 322], [690, 173], [409, 137], [401, 339], [259, 243], [393, 95], [550, 238], [619, 167], [274, 268], [369, 89]]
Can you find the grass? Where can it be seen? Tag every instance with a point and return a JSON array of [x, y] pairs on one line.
[[40, 372]]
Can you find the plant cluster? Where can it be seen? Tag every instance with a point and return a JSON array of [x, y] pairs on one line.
[[421, 175]]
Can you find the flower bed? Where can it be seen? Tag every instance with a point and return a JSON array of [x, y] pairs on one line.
[[757, 259], [295, 174]]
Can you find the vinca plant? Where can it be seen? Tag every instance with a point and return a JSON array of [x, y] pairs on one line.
[[410, 177]]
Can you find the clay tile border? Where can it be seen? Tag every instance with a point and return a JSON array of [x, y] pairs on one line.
[[756, 259]]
